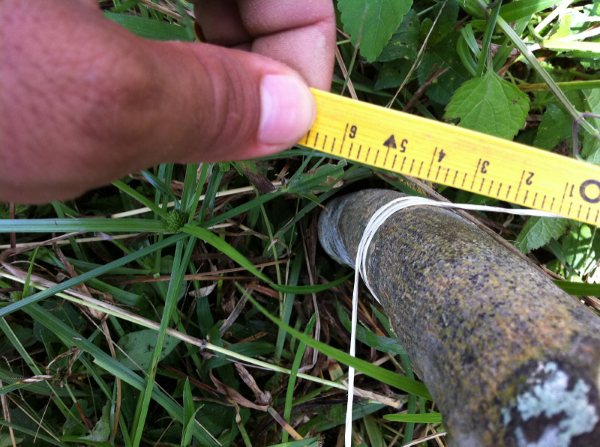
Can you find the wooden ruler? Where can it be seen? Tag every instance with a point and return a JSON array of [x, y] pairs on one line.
[[454, 156]]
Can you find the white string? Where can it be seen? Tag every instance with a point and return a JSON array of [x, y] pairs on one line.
[[375, 222]]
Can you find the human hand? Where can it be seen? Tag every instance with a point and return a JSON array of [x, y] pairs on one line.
[[83, 101]]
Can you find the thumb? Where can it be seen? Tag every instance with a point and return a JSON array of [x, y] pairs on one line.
[[226, 104]]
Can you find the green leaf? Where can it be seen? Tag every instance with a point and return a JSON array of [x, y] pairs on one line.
[[6, 441], [101, 431], [579, 288], [491, 105], [538, 231], [374, 432], [591, 144], [371, 23], [150, 28], [379, 342], [392, 74], [420, 418], [516, 10], [405, 41], [443, 55], [139, 347], [554, 128]]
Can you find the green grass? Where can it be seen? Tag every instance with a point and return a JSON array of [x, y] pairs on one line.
[[208, 272]]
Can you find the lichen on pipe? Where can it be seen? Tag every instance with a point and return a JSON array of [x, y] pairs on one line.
[[509, 358]]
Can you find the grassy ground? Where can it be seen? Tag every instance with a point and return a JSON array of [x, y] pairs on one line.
[[154, 311]]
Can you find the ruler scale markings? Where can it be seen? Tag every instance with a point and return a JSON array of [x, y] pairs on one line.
[[344, 138], [475, 175], [431, 162], [341, 121], [387, 152], [519, 187], [562, 201]]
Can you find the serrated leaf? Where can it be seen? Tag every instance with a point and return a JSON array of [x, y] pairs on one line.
[[139, 347], [554, 128], [446, 22], [538, 231], [404, 42], [491, 105], [440, 56], [392, 74], [371, 23]]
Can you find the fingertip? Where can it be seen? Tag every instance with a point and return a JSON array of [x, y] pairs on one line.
[[287, 111]]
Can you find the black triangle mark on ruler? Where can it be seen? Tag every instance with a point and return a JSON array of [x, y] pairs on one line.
[[390, 143]]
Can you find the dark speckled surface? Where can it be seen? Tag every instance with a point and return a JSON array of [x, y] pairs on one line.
[[510, 359]]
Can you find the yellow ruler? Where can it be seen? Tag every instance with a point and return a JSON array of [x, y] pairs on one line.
[[453, 156]]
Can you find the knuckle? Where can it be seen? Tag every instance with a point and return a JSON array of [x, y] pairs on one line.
[[118, 95], [233, 105]]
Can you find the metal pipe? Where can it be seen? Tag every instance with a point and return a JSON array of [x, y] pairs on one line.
[[509, 358]]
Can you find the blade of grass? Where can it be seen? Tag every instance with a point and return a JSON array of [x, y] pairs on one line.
[[487, 38], [223, 247], [12, 307], [579, 288], [89, 225], [115, 311], [289, 394], [71, 338], [418, 418], [383, 375], [123, 187], [180, 261]]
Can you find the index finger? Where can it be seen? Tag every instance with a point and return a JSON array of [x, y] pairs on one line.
[[299, 34]]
